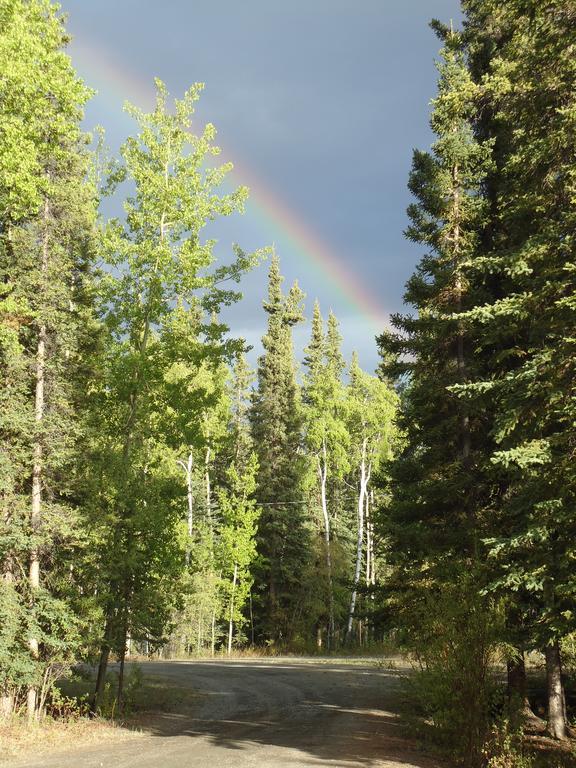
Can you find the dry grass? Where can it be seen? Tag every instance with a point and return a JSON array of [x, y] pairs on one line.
[[548, 753], [18, 740]]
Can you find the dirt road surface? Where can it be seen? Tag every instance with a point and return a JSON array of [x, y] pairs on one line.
[[252, 714]]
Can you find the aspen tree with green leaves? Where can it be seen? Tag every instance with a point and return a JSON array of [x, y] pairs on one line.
[[236, 549], [158, 274], [47, 216], [370, 410], [326, 433]]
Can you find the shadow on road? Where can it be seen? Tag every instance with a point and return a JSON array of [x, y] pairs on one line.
[[309, 714]]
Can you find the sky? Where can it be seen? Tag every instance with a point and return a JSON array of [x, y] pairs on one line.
[[319, 105]]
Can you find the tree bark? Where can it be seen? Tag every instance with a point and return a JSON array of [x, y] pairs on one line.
[[251, 621], [101, 677], [518, 693], [516, 674], [557, 724], [102, 667], [38, 460], [364, 480], [323, 472], [7, 696], [187, 466], [120, 694], [370, 566], [231, 618]]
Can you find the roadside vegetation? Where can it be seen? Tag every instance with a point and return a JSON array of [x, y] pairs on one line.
[[161, 499]]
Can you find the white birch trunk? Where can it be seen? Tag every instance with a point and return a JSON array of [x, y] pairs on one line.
[[187, 466], [38, 463], [208, 493], [557, 725], [368, 572], [323, 474], [365, 469], [231, 618]]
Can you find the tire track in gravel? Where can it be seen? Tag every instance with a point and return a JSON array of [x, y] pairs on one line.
[[268, 713]]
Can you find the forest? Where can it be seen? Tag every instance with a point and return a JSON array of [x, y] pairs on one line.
[[161, 498]]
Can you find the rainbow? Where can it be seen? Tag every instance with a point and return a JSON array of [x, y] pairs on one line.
[[286, 227]]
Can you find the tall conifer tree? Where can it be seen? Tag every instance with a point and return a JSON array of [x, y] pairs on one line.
[[443, 481], [277, 432], [521, 55]]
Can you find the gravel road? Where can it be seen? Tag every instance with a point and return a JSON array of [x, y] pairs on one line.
[[245, 714]]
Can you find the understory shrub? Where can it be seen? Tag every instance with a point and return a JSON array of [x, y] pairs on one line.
[[453, 639]]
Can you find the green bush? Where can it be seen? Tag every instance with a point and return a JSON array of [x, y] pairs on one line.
[[453, 639]]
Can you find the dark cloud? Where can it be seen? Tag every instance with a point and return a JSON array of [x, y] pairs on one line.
[[322, 99]]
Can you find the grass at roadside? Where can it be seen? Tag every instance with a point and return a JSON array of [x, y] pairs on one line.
[[20, 740], [69, 727]]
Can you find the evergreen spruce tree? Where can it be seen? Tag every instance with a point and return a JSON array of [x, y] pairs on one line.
[[240, 394], [443, 483], [521, 56], [283, 535]]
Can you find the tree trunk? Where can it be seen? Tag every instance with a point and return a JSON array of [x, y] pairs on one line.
[[251, 621], [6, 705], [364, 479], [120, 694], [517, 688], [101, 677], [323, 472], [370, 566], [38, 463], [557, 725], [102, 667], [231, 619], [7, 696], [187, 466], [518, 693]]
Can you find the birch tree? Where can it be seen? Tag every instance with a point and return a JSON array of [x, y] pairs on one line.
[[157, 279], [371, 406], [327, 436], [237, 542]]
